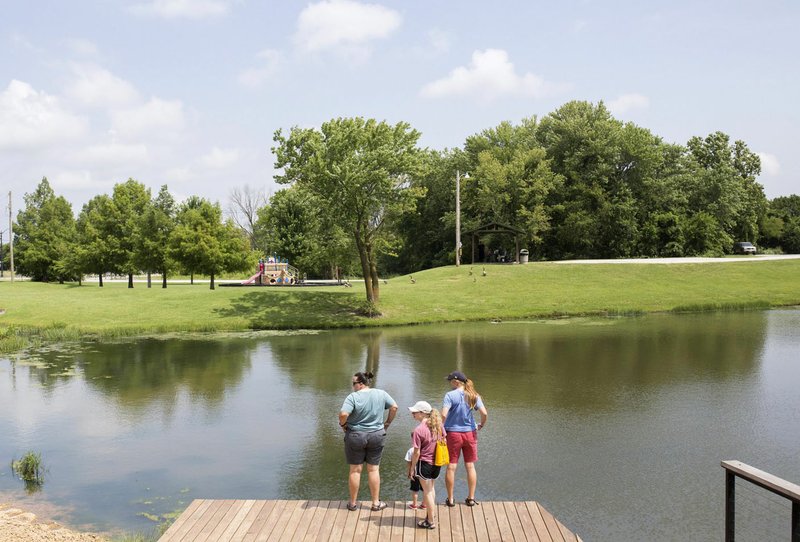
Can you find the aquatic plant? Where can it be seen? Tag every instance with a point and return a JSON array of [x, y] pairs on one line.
[[30, 470]]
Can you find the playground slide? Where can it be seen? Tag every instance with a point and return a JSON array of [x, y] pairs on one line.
[[252, 279]]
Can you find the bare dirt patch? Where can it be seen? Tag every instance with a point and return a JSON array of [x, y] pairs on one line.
[[17, 525]]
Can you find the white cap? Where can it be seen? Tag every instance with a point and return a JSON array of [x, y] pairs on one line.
[[421, 406]]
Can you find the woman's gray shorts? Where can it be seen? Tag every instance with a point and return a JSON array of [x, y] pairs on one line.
[[360, 447]]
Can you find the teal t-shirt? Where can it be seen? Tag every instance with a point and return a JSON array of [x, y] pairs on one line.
[[365, 408]]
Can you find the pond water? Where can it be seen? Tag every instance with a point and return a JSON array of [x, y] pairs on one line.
[[617, 426]]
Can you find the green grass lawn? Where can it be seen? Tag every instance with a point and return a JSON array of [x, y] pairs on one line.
[[34, 311]]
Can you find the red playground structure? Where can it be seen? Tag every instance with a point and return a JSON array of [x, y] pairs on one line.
[[273, 272]]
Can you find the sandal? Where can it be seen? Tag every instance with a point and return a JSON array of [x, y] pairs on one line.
[[425, 524], [449, 503], [378, 507], [352, 506], [470, 502]]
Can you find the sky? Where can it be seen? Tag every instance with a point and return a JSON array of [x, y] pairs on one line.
[[189, 93]]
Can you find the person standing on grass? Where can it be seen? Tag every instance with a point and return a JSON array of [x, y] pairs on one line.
[[423, 440], [458, 409], [362, 420]]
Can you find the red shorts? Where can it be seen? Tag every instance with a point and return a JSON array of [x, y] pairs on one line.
[[463, 442]]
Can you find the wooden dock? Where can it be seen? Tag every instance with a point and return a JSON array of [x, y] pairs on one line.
[[207, 520]]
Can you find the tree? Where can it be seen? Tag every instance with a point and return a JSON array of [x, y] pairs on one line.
[[243, 209], [426, 232], [45, 234], [512, 180], [129, 203], [97, 247], [584, 143], [724, 186], [202, 243], [293, 226], [155, 228], [361, 171]]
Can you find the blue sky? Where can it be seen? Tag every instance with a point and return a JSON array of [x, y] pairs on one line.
[[188, 93]]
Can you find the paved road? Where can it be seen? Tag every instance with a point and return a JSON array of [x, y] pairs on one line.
[[757, 258]]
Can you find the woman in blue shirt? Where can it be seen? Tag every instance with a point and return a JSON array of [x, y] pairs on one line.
[[458, 409]]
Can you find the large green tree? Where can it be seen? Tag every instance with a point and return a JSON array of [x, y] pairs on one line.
[[512, 180], [294, 227], [361, 171], [45, 235], [202, 243], [152, 242], [97, 248], [129, 203], [723, 186]]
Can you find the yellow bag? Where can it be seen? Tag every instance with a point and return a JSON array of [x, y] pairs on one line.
[[441, 456]]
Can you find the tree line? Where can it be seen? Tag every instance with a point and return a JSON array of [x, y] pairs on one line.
[[126, 233], [363, 199]]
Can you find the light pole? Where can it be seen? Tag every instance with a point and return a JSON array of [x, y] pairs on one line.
[[458, 215]]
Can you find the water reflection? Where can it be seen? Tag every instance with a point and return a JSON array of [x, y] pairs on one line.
[[657, 398]]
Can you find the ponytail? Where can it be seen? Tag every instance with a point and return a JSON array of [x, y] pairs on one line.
[[470, 394], [364, 378]]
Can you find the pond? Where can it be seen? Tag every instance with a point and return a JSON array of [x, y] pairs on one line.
[[617, 426]]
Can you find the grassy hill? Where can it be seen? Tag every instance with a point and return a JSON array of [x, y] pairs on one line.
[[34, 311]]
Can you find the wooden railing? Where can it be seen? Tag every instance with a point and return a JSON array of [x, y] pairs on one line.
[[762, 479]]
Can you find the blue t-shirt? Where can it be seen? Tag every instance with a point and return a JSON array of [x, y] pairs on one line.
[[365, 408], [459, 416]]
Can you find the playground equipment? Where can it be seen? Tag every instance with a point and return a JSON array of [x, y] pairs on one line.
[[273, 272]]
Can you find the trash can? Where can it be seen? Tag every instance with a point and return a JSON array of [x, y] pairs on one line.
[[523, 255]]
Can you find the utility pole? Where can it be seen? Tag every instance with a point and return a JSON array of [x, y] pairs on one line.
[[459, 176], [10, 237], [1, 253], [458, 218]]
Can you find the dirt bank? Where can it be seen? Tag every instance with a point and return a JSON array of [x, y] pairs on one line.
[[17, 525]]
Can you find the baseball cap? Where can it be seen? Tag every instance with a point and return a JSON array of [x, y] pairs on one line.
[[457, 375], [421, 406]]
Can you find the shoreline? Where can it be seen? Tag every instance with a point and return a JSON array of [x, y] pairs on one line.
[[18, 525]]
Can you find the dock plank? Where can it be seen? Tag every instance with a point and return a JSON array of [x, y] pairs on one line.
[[294, 514], [492, 527], [552, 527], [479, 523], [538, 521], [207, 520], [224, 522], [180, 525], [256, 526]]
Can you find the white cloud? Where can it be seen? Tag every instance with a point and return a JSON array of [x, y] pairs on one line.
[[490, 75], [628, 102], [190, 9], [220, 158], [156, 118], [178, 174], [344, 24], [271, 62], [112, 154], [439, 41], [98, 87], [769, 163], [73, 180], [31, 119]]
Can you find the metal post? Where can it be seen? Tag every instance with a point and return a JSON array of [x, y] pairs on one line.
[[458, 218], [10, 237], [730, 505]]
